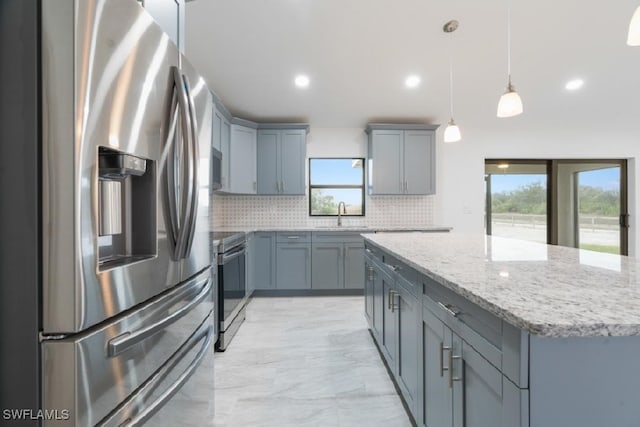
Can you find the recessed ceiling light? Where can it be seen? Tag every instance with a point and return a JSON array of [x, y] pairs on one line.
[[302, 81], [574, 84], [503, 166], [412, 81]]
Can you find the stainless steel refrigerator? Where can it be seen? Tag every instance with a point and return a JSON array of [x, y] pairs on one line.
[[106, 275]]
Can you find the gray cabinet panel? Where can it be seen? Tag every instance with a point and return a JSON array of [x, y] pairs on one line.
[[225, 143], [389, 324], [327, 266], [386, 171], [408, 318], [292, 164], [242, 159], [353, 262], [216, 138], [263, 260], [267, 161], [419, 162], [293, 266], [436, 394], [369, 275], [378, 303]]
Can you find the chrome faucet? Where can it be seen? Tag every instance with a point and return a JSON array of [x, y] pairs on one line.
[[344, 209]]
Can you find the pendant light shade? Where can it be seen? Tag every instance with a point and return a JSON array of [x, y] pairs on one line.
[[510, 103], [452, 132], [634, 29]]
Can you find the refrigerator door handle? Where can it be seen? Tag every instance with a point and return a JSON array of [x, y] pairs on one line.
[[195, 156], [187, 159], [168, 171], [152, 383], [122, 342]]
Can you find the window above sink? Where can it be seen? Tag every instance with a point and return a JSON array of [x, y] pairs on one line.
[[336, 180]]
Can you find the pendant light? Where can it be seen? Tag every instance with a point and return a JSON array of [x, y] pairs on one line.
[[634, 29], [452, 131], [510, 103]]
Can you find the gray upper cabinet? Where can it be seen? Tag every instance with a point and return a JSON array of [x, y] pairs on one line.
[[281, 155], [242, 160], [169, 14], [221, 140], [401, 159]]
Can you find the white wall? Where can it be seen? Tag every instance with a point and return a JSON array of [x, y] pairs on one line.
[[460, 188]]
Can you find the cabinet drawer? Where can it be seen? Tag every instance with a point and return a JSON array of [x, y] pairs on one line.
[[336, 237], [479, 328], [293, 237], [372, 251]]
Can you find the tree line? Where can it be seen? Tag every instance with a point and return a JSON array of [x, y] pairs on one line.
[[532, 199]]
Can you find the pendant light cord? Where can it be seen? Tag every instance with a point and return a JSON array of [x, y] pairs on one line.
[[509, 40], [450, 79]]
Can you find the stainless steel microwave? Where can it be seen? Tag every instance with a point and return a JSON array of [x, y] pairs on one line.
[[216, 169]]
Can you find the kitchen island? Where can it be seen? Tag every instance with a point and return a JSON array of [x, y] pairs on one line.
[[487, 331]]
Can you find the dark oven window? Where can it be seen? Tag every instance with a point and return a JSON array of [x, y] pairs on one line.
[[332, 181]]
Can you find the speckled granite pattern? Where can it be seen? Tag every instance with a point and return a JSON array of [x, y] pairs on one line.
[[546, 290]]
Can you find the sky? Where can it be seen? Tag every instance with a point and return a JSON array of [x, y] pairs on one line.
[[608, 179]]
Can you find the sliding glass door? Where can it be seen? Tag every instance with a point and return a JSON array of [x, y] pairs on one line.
[[577, 203]]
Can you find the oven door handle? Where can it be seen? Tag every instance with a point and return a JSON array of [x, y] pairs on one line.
[[230, 256], [153, 382], [122, 342]]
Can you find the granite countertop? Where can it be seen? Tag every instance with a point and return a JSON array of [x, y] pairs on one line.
[[546, 290]]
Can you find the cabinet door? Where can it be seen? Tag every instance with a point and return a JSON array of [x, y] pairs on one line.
[[293, 151], [478, 392], [386, 170], [369, 274], [169, 14], [293, 266], [216, 138], [225, 143], [267, 158], [435, 394], [378, 304], [408, 347], [389, 321], [419, 164], [248, 260], [353, 265], [263, 260], [327, 266], [243, 160]]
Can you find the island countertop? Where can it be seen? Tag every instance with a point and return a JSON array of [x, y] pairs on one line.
[[547, 290]]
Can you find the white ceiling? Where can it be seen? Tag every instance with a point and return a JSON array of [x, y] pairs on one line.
[[358, 53]]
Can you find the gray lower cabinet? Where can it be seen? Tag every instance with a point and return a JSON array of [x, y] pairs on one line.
[[389, 319], [435, 394], [378, 303], [263, 260], [327, 266], [293, 269], [369, 279], [408, 319], [353, 262]]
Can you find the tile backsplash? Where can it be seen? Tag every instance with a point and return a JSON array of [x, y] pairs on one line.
[[293, 211]]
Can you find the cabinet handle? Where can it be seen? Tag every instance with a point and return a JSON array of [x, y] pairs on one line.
[[393, 268], [449, 309], [255, 185], [406, 186], [293, 237], [394, 306], [283, 186], [451, 377], [443, 348], [369, 251]]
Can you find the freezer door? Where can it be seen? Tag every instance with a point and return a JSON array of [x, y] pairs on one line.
[[111, 112], [199, 251], [103, 371]]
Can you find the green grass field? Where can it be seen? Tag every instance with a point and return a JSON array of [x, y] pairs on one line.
[[601, 248]]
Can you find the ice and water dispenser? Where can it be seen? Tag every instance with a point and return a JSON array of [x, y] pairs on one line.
[[126, 208]]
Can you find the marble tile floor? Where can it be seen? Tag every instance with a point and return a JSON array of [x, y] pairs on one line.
[[305, 361]]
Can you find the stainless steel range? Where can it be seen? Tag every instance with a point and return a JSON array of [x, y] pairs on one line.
[[232, 289]]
